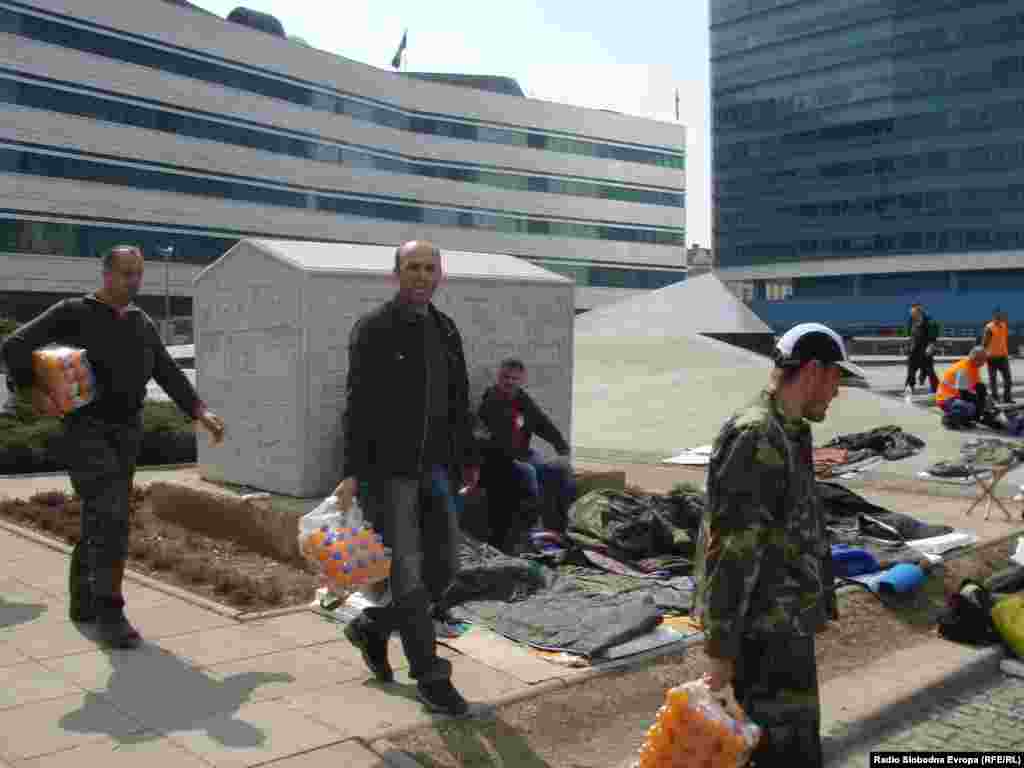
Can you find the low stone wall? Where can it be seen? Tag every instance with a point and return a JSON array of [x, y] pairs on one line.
[[270, 525], [258, 523]]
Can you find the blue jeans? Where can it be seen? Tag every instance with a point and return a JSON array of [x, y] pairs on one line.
[[535, 474], [417, 518]]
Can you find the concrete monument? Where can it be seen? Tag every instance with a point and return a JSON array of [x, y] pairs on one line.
[[272, 323]]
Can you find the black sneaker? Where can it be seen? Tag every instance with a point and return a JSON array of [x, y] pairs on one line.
[[118, 634], [440, 696], [374, 649]]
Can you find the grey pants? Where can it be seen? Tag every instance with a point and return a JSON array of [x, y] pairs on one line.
[[416, 518], [101, 463]]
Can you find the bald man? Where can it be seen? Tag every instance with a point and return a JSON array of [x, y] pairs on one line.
[[407, 430]]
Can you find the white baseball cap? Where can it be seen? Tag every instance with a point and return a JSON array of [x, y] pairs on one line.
[[814, 341]]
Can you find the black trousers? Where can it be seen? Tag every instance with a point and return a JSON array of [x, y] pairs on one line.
[[101, 459], [1000, 365], [776, 683], [925, 364], [416, 517]]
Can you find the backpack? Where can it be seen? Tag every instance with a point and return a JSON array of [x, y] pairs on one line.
[[968, 616]]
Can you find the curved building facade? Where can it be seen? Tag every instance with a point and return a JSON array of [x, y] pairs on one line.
[[148, 123], [868, 154]]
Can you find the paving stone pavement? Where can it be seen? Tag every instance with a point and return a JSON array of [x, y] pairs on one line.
[[987, 716]]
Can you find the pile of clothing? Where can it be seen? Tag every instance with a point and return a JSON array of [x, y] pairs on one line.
[[975, 454], [861, 450]]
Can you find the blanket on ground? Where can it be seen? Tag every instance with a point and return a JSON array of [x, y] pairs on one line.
[[888, 441]]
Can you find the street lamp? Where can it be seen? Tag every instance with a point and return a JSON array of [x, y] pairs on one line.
[[167, 251]]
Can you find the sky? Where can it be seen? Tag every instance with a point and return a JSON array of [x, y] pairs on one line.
[[603, 55]]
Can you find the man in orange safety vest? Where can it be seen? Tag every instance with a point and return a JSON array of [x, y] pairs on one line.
[[997, 346]]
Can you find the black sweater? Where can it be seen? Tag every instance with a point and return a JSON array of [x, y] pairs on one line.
[[123, 347], [496, 415]]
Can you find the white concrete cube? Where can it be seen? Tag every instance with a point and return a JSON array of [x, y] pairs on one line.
[[272, 324]]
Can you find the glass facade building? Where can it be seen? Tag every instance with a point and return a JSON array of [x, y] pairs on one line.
[[869, 154], [123, 124]]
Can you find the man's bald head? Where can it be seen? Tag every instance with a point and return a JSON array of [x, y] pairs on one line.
[[418, 268], [415, 246]]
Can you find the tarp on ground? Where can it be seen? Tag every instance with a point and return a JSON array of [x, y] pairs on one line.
[[533, 604]]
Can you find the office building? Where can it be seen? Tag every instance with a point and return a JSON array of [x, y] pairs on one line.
[[158, 124], [868, 154]]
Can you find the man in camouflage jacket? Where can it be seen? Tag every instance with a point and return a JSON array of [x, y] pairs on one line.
[[764, 580]]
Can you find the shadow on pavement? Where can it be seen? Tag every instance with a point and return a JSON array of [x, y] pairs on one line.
[[12, 614], [480, 743], [166, 694]]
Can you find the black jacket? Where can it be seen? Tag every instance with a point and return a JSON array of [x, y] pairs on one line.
[[124, 350], [922, 335], [386, 409], [496, 415]]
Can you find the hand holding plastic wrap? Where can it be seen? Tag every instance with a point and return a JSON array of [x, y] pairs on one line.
[[345, 549], [699, 727], [65, 374]]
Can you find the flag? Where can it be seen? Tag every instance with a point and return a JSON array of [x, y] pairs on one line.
[[396, 61], [677, 104]]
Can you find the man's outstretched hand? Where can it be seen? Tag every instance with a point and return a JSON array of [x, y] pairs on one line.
[[214, 424]]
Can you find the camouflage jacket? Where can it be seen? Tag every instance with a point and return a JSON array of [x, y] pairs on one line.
[[763, 561]]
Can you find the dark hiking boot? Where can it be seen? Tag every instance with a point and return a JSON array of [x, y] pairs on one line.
[[112, 627], [440, 696], [373, 647]]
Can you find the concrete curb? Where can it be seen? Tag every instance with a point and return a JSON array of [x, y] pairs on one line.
[[846, 738]]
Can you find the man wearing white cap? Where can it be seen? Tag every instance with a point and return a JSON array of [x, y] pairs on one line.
[[764, 578]]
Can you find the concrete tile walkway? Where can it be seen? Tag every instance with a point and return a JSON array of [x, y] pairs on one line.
[[206, 689]]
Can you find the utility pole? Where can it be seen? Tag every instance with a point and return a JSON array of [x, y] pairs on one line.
[[167, 251]]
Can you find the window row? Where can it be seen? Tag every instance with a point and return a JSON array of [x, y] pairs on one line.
[[53, 238], [56, 99], [946, 241], [68, 166], [962, 202], [934, 81], [91, 40], [615, 277], [995, 158], [846, 46], [869, 132]]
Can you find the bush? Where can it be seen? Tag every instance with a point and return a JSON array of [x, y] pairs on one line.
[[31, 443], [7, 327]]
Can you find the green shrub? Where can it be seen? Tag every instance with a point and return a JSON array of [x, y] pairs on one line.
[[7, 327], [30, 443]]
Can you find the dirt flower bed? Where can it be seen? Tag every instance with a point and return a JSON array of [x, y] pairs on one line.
[[223, 571]]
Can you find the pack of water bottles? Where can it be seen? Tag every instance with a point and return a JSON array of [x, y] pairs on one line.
[[347, 551], [699, 727], [66, 375]]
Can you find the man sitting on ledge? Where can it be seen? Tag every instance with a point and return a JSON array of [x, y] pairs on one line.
[[961, 395], [512, 417]]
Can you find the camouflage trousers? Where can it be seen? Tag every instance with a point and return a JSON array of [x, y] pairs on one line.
[[776, 683], [101, 463]]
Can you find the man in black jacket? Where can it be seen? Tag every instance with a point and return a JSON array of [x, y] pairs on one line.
[[923, 332], [407, 427], [512, 417], [103, 438]]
